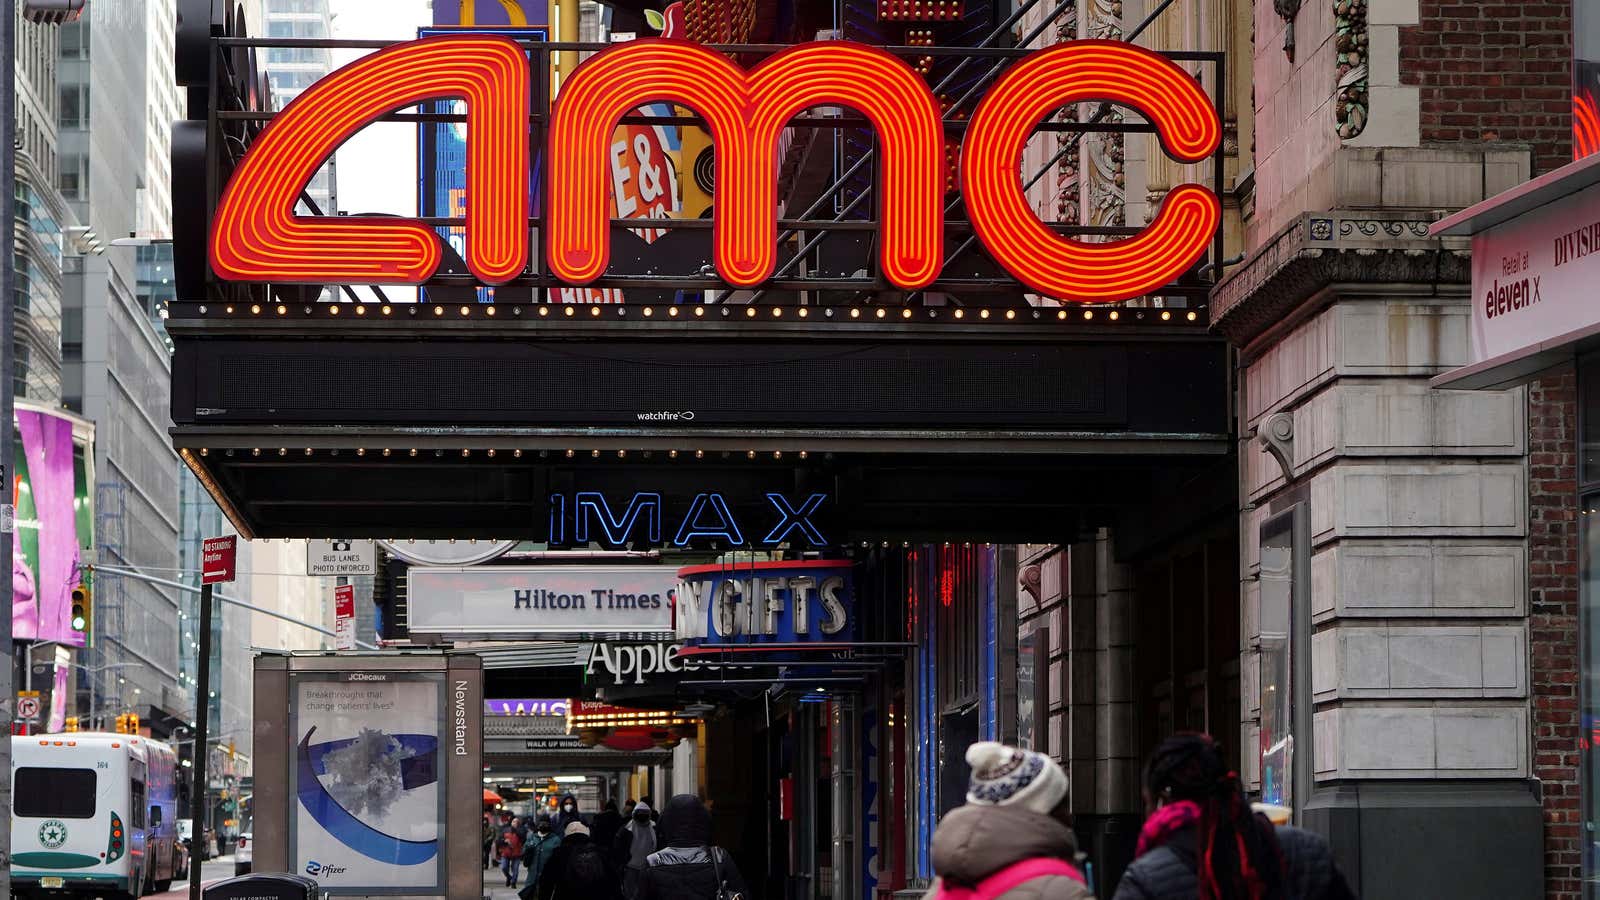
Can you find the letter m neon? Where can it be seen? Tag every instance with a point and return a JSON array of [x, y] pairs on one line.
[[617, 528], [746, 113]]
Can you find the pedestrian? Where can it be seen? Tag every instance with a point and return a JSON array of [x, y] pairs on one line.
[[631, 847], [541, 844], [1012, 839], [606, 823], [689, 866], [578, 870], [510, 847], [568, 813], [1202, 840], [490, 833]]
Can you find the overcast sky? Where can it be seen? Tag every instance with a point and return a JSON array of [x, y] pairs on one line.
[[378, 167]]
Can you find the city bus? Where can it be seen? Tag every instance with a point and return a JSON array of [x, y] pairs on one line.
[[93, 814]]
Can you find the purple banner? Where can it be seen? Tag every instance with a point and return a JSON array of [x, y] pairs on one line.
[[46, 547], [525, 707]]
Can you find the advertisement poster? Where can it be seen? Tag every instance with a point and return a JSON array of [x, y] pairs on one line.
[[368, 782], [55, 523]]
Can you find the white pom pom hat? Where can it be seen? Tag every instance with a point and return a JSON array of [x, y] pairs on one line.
[[1007, 776]]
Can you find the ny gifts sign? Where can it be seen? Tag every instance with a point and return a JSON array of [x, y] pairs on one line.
[[256, 235]]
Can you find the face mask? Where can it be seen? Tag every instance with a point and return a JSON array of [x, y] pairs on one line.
[[569, 807]]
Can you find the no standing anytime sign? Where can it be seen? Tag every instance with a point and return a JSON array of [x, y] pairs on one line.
[[217, 559]]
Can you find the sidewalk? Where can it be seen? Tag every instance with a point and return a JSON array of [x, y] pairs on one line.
[[494, 885]]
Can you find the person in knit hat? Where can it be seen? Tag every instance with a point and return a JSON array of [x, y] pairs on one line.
[[1012, 839]]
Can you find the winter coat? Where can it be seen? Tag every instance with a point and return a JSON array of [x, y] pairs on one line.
[[605, 826], [687, 873], [537, 852], [1168, 871], [562, 883], [975, 841], [683, 869]]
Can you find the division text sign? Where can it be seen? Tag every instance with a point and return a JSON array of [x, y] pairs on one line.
[[256, 235], [1534, 277], [542, 601]]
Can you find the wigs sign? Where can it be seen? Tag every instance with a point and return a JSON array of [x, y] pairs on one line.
[[256, 235]]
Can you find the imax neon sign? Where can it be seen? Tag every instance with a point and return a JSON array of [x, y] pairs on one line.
[[588, 516], [256, 235]]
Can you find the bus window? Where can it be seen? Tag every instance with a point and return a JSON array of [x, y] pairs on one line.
[[138, 804], [54, 793]]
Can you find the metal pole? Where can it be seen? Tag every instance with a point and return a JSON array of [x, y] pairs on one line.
[[202, 719], [8, 243]]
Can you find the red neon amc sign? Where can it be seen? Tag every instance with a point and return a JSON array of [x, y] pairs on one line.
[[257, 237]]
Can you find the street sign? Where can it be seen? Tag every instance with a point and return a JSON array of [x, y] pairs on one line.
[[341, 556], [217, 557], [29, 706], [344, 610]]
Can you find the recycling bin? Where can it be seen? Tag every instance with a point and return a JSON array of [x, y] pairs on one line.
[[264, 886]]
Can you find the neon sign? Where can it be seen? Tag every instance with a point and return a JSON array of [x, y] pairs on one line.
[[588, 516], [256, 236]]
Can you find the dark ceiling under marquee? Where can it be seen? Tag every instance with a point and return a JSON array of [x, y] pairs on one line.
[[436, 429]]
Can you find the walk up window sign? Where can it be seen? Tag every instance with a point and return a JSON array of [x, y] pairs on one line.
[[542, 602]]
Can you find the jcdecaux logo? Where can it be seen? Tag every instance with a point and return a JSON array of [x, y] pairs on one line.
[[256, 235]]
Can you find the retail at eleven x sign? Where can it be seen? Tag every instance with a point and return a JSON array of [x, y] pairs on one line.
[[257, 237]]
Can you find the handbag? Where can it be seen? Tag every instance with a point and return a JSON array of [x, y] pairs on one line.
[[723, 892]]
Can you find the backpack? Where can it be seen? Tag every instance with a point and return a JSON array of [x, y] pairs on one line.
[[586, 867], [1011, 876]]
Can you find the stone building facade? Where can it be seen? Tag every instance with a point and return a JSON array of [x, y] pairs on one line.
[[1416, 598]]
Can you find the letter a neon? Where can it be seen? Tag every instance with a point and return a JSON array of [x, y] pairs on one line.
[[256, 235]]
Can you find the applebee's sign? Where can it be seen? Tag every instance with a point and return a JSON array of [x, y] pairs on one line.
[[256, 235]]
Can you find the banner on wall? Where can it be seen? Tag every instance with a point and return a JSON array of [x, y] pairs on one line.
[[490, 13], [368, 782], [53, 469], [772, 602]]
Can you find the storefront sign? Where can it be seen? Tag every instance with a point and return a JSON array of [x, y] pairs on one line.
[[542, 601], [1534, 277], [256, 235], [588, 516], [767, 602], [525, 707], [638, 663]]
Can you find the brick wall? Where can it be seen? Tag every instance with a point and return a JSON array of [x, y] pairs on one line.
[[1553, 632], [1492, 71]]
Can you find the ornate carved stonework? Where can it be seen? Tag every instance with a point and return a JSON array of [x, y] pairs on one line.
[[1340, 247], [1068, 181], [1104, 154], [1350, 46]]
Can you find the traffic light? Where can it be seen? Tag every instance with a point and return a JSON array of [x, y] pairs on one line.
[[72, 723], [82, 610], [128, 723]]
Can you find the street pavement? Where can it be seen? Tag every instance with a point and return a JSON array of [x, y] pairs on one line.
[[211, 872], [494, 885]]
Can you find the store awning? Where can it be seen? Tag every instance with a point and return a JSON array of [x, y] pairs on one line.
[[490, 797], [1535, 259]]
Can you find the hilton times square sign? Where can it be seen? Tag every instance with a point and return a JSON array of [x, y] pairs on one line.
[[256, 236]]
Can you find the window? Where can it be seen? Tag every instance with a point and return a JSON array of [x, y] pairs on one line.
[[1285, 623], [74, 41], [74, 110], [54, 793], [137, 805]]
